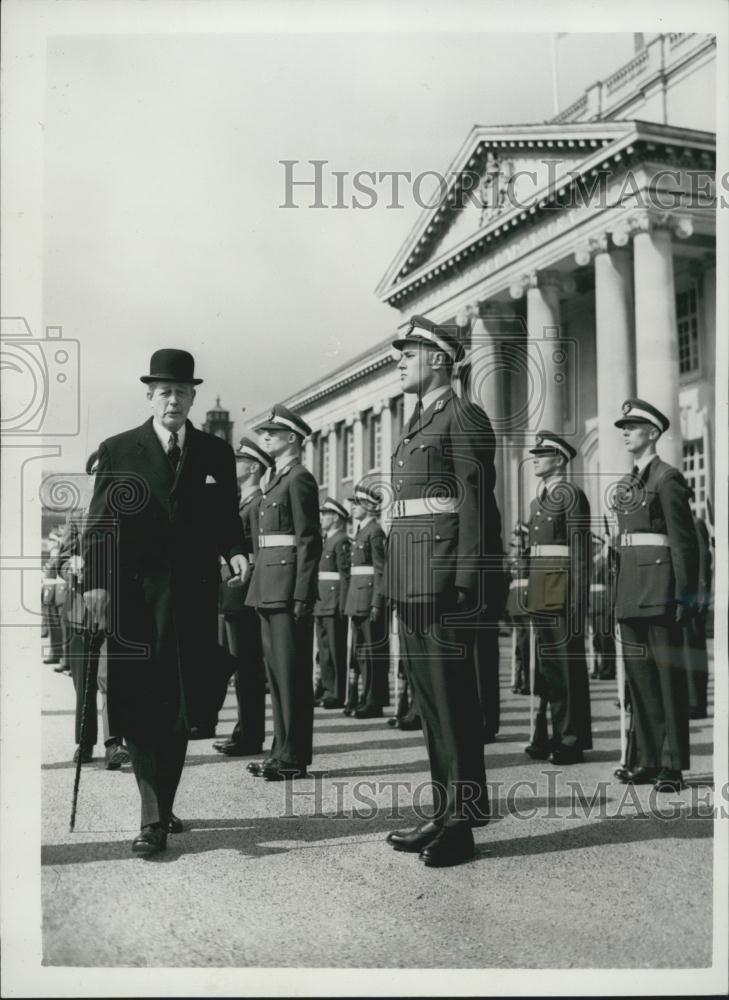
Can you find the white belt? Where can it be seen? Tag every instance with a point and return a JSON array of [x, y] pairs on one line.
[[328, 575], [598, 586], [518, 583], [419, 508], [52, 581], [275, 541], [629, 539], [363, 571], [549, 550]]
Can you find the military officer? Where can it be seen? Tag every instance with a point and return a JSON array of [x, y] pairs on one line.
[[242, 628], [560, 549], [602, 598], [656, 590], [329, 614], [516, 608], [283, 590], [443, 475], [366, 602]]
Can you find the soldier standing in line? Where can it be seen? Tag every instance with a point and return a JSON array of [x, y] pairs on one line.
[[366, 603], [656, 589], [602, 599], [242, 628], [283, 590], [516, 609], [560, 549], [329, 614], [697, 659], [443, 476]]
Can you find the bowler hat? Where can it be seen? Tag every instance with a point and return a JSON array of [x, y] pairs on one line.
[[171, 365]]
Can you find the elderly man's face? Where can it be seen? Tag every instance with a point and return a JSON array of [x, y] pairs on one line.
[[171, 402]]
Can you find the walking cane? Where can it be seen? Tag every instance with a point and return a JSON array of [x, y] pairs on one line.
[[86, 666], [532, 674], [591, 657], [513, 657], [620, 674], [348, 661]]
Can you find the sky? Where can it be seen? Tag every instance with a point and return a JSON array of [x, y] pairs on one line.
[[163, 187]]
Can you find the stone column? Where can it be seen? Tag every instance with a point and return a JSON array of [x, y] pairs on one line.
[[543, 325], [309, 456], [656, 333], [615, 358], [358, 432], [487, 384], [331, 485]]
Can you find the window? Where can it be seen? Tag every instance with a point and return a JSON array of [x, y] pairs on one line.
[[347, 452], [375, 442], [687, 318], [694, 469], [323, 460]]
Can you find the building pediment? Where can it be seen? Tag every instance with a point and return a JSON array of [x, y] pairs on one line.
[[504, 179]]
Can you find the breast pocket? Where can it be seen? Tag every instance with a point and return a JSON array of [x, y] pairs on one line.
[[277, 574]]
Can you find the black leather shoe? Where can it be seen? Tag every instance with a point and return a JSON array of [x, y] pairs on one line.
[[669, 780], [219, 744], [536, 752], [87, 755], [175, 824], [621, 772], [257, 767], [368, 712], [284, 772], [641, 776], [566, 755], [241, 749], [413, 840], [151, 840], [392, 723], [452, 846], [410, 725]]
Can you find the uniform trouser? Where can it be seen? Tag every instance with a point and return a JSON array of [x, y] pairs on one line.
[[81, 669], [697, 665], [561, 680], [287, 649], [486, 659], [441, 670], [653, 650], [55, 631], [158, 764], [370, 649], [331, 637], [521, 624], [243, 638]]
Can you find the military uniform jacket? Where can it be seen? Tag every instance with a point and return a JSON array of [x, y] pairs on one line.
[[560, 584], [653, 579], [366, 590], [289, 506], [233, 599], [446, 455], [602, 585], [335, 558], [516, 601]]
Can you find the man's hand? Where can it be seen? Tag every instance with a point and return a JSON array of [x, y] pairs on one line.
[[375, 614], [301, 611], [240, 566], [461, 597], [96, 602]]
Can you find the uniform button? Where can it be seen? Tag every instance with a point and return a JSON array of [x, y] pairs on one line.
[[422, 447], [283, 562], [539, 513], [549, 518], [437, 538], [658, 560], [400, 464], [273, 504], [331, 588], [406, 441], [536, 527], [642, 503]]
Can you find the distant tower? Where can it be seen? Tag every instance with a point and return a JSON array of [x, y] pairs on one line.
[[218, 422]]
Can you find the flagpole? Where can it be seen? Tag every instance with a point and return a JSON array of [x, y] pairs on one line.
[[555, 81]]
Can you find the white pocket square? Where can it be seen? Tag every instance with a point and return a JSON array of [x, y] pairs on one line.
[[210, 479]]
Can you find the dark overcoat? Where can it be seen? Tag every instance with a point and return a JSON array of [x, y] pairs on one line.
[[153, 540]]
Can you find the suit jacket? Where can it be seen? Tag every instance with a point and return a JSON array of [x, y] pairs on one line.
[[289, 506], [652, 580], [153, 539], [335, 558], [447, 453], [233, 599], [367, 591], [560, 584]]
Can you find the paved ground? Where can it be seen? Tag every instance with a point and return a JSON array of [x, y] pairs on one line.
[[259, 880]]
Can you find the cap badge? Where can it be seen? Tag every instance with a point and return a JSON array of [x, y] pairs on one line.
[[626, 407], [272, 414]]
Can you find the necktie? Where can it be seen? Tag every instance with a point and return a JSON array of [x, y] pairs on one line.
[[173, 451], [543, 495]]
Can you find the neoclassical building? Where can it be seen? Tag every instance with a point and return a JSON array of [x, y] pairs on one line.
[[577, 257]]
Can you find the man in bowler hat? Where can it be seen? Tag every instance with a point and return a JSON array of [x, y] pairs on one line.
[[164, 508], [283, 590]]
